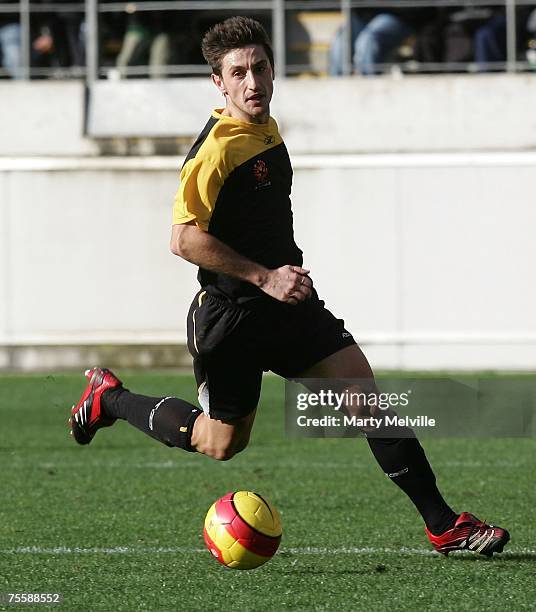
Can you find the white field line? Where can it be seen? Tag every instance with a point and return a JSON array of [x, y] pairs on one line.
[[137, 550]]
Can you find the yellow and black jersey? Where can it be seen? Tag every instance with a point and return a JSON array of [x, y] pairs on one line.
[[235, 184]]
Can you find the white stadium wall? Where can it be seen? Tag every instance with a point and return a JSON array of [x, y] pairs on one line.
[[427, 253], [429, 259], [346, 115]]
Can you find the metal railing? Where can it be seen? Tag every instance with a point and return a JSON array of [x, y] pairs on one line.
[[276, 10]]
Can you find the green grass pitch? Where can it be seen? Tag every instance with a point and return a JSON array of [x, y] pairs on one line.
[[118, 525]]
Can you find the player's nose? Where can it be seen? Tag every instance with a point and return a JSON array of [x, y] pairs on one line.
[[252, 80]]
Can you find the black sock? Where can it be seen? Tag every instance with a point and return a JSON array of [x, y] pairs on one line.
[[167, 419], [404, 462]]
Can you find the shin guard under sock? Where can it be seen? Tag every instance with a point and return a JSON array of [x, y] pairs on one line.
[[167, 419], [404, 462]]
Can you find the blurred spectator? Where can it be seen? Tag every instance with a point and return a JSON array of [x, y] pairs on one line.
[[375, 35], [430, 40], [57, 39], [459, 33], [10, 42], [531, 43], [490, 41], [490, 38], [531, 22], [147, 41], [479, 34]]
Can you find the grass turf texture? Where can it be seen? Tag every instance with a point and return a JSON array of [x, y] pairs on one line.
[[126, 490]]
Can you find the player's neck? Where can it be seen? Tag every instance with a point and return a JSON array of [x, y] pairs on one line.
[[235, 113]]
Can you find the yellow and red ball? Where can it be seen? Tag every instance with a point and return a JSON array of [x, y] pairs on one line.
[[242, 530]]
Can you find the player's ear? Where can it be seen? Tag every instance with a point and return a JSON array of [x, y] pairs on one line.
[[218, 81]]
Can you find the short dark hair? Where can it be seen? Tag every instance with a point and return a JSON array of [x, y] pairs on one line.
[[233, 33]]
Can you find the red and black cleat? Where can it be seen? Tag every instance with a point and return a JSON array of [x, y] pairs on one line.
[[87, 417], [470, 533]]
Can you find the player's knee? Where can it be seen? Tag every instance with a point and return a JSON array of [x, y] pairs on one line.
[[365, 402], [221, 441], [362, 399], [227, 450], [215, 450], [224, 453], [221, 454]]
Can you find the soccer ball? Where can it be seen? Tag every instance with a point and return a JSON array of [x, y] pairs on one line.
[[242, 530]]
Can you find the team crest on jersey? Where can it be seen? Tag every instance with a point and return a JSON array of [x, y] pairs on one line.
[[260, 172]]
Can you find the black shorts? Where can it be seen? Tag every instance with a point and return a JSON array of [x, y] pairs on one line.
[[232, 344]]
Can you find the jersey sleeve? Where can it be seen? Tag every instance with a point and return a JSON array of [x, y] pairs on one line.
[[199, 188]]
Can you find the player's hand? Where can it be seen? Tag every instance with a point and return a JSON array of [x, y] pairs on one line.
[[289, 284]]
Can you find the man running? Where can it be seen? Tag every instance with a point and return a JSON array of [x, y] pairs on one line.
[[257, 309]]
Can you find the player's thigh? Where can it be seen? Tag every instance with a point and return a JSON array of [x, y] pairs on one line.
[[318, 346], [226, 369], [349, 362], [229, 386], [346, 370], [229, 392], [340, 365]]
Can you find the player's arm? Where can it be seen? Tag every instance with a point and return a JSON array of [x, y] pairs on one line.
[[287, 284]]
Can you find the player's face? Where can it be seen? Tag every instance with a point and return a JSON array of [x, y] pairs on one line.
[[247, 83]]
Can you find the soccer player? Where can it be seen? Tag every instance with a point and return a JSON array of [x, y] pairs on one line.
[[257, 309]]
